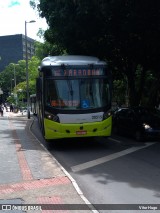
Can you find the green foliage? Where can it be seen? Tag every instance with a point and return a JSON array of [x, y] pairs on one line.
[[74, 25], [119, 92], [7, 77], [44, 49], [33, 68], [18, 72], [125, 32]]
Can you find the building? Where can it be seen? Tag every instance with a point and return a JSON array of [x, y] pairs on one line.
[[13, 49]]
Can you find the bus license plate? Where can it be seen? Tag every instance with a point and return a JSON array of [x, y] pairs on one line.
[[81, 132]]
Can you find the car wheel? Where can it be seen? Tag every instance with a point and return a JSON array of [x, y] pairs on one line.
[[138, 136]]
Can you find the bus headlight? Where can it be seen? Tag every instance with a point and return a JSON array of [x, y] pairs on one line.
[[52, 117], [107, 115]]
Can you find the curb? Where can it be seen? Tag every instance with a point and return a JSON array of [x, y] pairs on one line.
[[74, 183]]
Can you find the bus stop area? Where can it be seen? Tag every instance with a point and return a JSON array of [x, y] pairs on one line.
[[30, 177]]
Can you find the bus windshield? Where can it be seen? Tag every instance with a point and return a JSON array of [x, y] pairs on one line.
[[84, 93]]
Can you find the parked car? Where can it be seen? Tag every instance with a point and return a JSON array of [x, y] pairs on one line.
[[140, 122]]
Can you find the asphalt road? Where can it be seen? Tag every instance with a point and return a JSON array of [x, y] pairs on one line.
[[117, 170]]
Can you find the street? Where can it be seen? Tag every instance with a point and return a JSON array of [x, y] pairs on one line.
[[117, 170]]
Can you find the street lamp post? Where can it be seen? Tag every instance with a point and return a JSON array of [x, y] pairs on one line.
[[11, 84], [1, 93], [15, 84], [27, 74]]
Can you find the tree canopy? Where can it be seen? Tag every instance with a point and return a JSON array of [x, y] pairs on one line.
[[13, 78], [125, 32]]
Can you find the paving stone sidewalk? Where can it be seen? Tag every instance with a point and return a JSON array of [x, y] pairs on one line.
[[30, 175]]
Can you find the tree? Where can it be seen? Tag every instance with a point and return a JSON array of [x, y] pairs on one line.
[[45, 49], [135, 41], [13, 73], [72, 24], [7, 77], [126, 32]]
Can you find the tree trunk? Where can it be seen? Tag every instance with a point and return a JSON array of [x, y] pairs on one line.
[[133, 99], [154, 99], [141, 86]]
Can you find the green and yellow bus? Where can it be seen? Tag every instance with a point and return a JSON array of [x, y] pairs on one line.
[[74, 97]]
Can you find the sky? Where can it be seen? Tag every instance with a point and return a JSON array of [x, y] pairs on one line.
[[14, 13]]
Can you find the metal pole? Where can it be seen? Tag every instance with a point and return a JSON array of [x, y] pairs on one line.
[[15, 84], [11, 86], [27, 76], [14, 76]]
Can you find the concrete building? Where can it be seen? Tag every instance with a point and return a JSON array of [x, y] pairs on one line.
[[12, 49]]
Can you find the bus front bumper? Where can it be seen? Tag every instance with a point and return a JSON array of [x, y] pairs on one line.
[[54, 130]]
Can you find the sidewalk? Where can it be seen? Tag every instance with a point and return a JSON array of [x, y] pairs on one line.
[[30, 177]]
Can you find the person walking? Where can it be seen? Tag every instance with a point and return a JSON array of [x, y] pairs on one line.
[[1, 110], [11, 108]]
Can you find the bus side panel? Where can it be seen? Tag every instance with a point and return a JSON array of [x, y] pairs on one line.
[[54, 130]]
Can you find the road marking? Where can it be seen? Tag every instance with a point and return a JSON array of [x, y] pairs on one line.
[[112, 139], [107, 158]]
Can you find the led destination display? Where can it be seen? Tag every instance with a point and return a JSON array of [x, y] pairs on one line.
[[78, 72]]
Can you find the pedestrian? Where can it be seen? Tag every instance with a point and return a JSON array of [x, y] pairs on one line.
[[1, 110], [11, 108]]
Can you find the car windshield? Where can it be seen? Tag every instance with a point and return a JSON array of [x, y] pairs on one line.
[[77, 94]]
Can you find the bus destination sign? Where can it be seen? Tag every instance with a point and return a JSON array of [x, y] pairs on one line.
[[78, 72]]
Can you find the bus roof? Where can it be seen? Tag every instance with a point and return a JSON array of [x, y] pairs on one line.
[[71, 60]]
